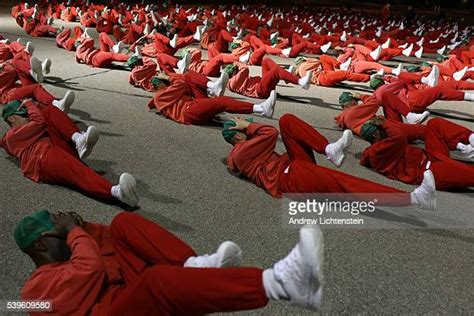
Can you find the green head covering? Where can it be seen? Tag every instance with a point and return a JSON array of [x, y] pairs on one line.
[[441, 58], [413, 68], [182, 53], [367, 131], [345, 98], [155, 81], [274, 41], [425, 64], [12, 109], [77, 43], [229, 69], [233, 46], [134, 61], [228, 133], [376, 82], [31, 227], [299, 60]]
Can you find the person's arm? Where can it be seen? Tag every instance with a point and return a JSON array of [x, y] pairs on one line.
[[29, 131]]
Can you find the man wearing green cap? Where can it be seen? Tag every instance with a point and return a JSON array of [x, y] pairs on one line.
[[136, 267], [392, 155], [50, 147], [296, 171]]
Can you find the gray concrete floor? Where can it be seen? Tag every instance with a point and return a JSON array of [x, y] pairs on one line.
[[184, 186]]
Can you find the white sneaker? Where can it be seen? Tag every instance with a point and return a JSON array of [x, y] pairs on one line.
[[343, 37], [458, 75], [125, 190], [425, 195], [245, 57], [117, 48], [407, 51], [375, 54], [267, 107], [336, 152], [65, 103], [147, 30], [324, 48], [227, 255], [184, 62], [198, 35], [217, 88], [286, 52], [386, 44], [46, 66], [305, 82], [86, 141], [419, 52], [466, 151], [417, 118], [403, 46], [292, 69], [381, 72], [273, 36], [173, 41], [441, 50], [30, 48], [137, 52], [432, 78], [397, 71], [345, 65], [36, 69], [87, 33], [299, 274], [50, 20]]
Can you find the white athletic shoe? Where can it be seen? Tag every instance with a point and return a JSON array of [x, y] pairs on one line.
[[336, 152], [292, 69], [30, 48], [198, 35], [324, 48], [125, 191], [245, 57], [36, 69], [381, 72], [267, 107], [424, 195], [403, 46], [147, 29], [86, 141], [345, 65], [286, 52], [217, 88], [298, 277], [173, 41], [466, 151], [417, 118], [375, 54], [407, 51], [117, 48], [343, 37], [137, 52], [87, 32], [46, 66], [419, 52], [184, 62], [65, 103], [305, 82], [228, 254], [273, 36], [458, 75], [441, 50], [397, 71], [432, 78], [386, 44]]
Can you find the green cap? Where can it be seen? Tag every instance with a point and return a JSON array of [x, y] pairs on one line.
[[77, 43], [31, 227], [376, 82], [441, 58], [12, 109], [299, 60], [233, 46], [413, 68], [155, 81], [274, 41], [367, 131], [134, 61], [228, 133], [345, 98], [229, 69]]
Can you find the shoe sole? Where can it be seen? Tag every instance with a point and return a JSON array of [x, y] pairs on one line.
[[230, 255], [128, 184], [47, 66], [36, 68], [92, 138], [273, 96], [225, 79], [68, 100]]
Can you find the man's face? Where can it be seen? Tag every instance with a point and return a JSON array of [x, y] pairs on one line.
[[17, 120], [240, 138], [349, 104]]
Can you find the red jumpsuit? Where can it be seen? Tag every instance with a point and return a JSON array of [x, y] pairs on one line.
[[135, 267], [43, 146], [86, 52], [185, 101], [296, 171], [64, 39], [396, 159]]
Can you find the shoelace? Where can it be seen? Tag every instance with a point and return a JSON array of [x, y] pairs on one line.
[[292, 268]]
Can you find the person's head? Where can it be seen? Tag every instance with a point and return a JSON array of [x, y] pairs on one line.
[[14, 115], [232, 136], [159, 81], [230, 70], [134, 61], [373, 130], [299, 60], [31, 236], [376, 82], [347, 99]]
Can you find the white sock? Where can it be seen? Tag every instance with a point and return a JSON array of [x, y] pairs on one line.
[[258, 108], [75, 137], [273, 288], [56, 103]]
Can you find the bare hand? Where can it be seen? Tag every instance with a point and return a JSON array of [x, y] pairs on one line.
[[240, 124]]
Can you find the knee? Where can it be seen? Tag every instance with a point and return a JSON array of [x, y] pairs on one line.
[[121, 222], [434, 122], [286, 120]]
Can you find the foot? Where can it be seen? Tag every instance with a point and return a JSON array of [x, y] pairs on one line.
[[183, 64], [419, 52], [286, 52], [125, 190], [325, 47], [441, 50], [336, 152], [117, 48], [466, 151], [292, 69], [376, 53], [273, 36], [87, 32], [458, 75], [46, 66], [217, 88], [432, 79], [65, 103], [381, 72], [30, 48], [268, 106], [397, 71], [36, 69], [298, 277], [86, 141], [228, 254], [173, 41], [245, 58], [137, 52], [305, 82], [417, 118], [424, 196], [386, 44], [198, 35], [345, 65], [407, 51]]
